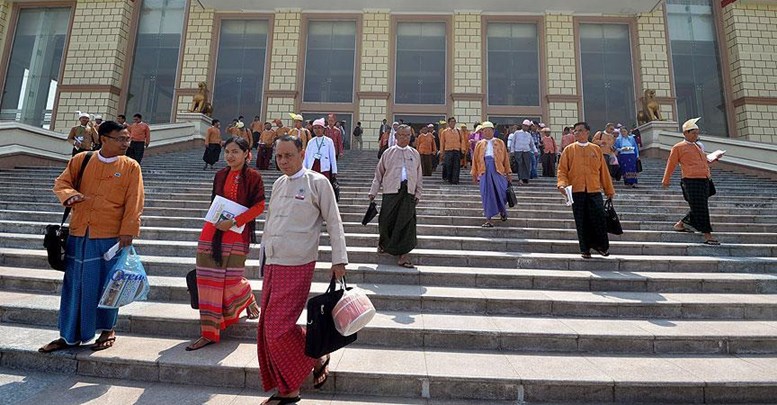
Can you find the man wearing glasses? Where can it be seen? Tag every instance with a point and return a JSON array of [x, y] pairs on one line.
[[106, 210]]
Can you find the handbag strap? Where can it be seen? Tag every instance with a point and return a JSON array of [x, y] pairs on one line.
[[77, 184], [332, 284]]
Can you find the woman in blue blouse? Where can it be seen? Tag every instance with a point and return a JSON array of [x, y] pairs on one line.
[[628, 155]]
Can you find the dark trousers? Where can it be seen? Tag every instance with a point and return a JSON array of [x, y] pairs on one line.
[[453, 166], [136, 150], [588, 209], [697, 193], [549, 165]]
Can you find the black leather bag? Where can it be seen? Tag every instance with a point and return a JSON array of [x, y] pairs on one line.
[[613, 222], [191, 286], [322, 337], [639, 166], [55, 238], [372, 211], [512, 200], [336, 188], [713, 191]]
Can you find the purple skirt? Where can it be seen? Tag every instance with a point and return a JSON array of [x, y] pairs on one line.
[[493, 190]]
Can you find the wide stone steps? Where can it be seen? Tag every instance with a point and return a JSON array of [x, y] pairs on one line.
[[505, 314], [421, 373], [400, 329]]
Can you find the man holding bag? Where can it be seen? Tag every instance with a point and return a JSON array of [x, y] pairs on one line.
[[302, 200], [106, 210]]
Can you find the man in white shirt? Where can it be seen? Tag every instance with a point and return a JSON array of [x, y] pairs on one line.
[[320, 155], [521, 146], [301, 202]]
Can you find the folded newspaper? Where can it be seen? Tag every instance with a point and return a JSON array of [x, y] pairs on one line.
[[222, 209], [127, 282], [715, 155]]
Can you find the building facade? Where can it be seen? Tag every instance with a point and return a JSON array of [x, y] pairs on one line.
[[556, 61]]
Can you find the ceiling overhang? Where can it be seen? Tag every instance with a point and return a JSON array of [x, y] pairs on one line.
[[583, 7]]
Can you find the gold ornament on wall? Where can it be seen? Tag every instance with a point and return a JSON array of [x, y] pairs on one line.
[[651, 110], [200, 104]]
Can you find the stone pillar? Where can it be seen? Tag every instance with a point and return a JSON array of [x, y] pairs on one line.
[[283, 88], [467, 76], [652, 51], [373, 91], [96, 57], [750, 29], [195, 65], [563, 100]]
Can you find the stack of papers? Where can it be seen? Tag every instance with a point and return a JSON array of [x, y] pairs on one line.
[[569, 201], [222, 209], [715, 155]]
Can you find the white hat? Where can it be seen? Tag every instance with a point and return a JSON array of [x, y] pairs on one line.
[[320, 122], [542, 125], [545, 129], [82, 114], [98, 117], [527, 123], [430, 126], [690, 125], [486, 124], [296, 117], [239, 125]]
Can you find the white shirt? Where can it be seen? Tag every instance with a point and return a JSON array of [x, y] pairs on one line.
[[404, 165], [392, 138], [522, 141], [105, 159], [324, 147], [299, 174], [490, 147]]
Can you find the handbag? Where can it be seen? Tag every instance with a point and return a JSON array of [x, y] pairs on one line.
[[336, 188], [55, 238], [512, 200], [322, 337], [639, 166], [353, 312], [191, 287], [713, 191], [613, 222], [372, 211]]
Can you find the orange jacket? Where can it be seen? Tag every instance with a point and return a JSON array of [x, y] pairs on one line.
[[501, 158]]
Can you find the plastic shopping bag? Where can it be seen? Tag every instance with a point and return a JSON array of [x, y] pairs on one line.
[[127, 281]]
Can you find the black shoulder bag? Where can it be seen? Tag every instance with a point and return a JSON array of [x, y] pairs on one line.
[[55, 240]]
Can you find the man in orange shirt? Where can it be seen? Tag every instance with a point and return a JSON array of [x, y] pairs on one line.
[[140, 135], [425, 145], [696, 181], [106, 205], [582, 166], [451, 148]]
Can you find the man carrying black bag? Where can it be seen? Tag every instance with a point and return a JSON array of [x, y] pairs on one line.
[[301, 201]]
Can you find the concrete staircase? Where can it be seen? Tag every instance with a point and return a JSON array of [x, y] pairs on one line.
[[509, 315]]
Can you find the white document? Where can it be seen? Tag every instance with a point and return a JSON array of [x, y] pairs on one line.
[[223, 209], [715, 155], [111, 253], [569, 201]]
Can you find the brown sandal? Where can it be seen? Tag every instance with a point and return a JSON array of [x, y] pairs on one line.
[[102, 344], [54, 346]]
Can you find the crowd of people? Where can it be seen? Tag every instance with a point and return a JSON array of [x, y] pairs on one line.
[[107, 206], [85, 136]]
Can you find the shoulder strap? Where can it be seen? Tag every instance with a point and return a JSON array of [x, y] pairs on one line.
[[77, 183]]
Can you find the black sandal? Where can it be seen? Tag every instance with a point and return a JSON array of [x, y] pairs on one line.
[[487, 225], [321, 371], [503, 217], [103, 344], [282, 400], [585, 255], [712, 242]]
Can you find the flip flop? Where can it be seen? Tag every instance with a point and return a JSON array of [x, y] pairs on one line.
[[191, 347], [712, 242], [56, 345], [407, 265], [585, 255], [283, 400], [487, 225], [322, 370], [503, 217], [102, 344]]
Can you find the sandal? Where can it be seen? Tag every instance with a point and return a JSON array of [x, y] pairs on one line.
[[54, 346], [683, 230], [407, 265], [604, 253], [712, 242], [253, 311], [192, 347], [503, 217], [102, 344], [282, 400], [321, 371], [487, 225], [585, 255]]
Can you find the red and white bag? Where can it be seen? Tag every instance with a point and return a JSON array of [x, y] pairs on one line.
[[353, 312]]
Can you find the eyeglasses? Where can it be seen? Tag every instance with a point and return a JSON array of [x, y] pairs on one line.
[[121, 139]]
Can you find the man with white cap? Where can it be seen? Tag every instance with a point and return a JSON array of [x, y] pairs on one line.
[[83, 137], [696, 181], [521, 146], [302, 133], [321, 155]]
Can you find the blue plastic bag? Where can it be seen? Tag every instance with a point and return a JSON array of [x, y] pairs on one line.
[[127, 281]]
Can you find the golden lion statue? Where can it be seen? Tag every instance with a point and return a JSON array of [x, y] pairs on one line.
[[651, 110], [200, 103]]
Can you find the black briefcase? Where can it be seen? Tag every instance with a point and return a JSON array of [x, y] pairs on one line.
[[336, 188], [372, 211], [512, 200], [322, 337], [613, 222], [191, 286]]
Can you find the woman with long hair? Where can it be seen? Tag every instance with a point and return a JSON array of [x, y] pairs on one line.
[[221, 252]]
